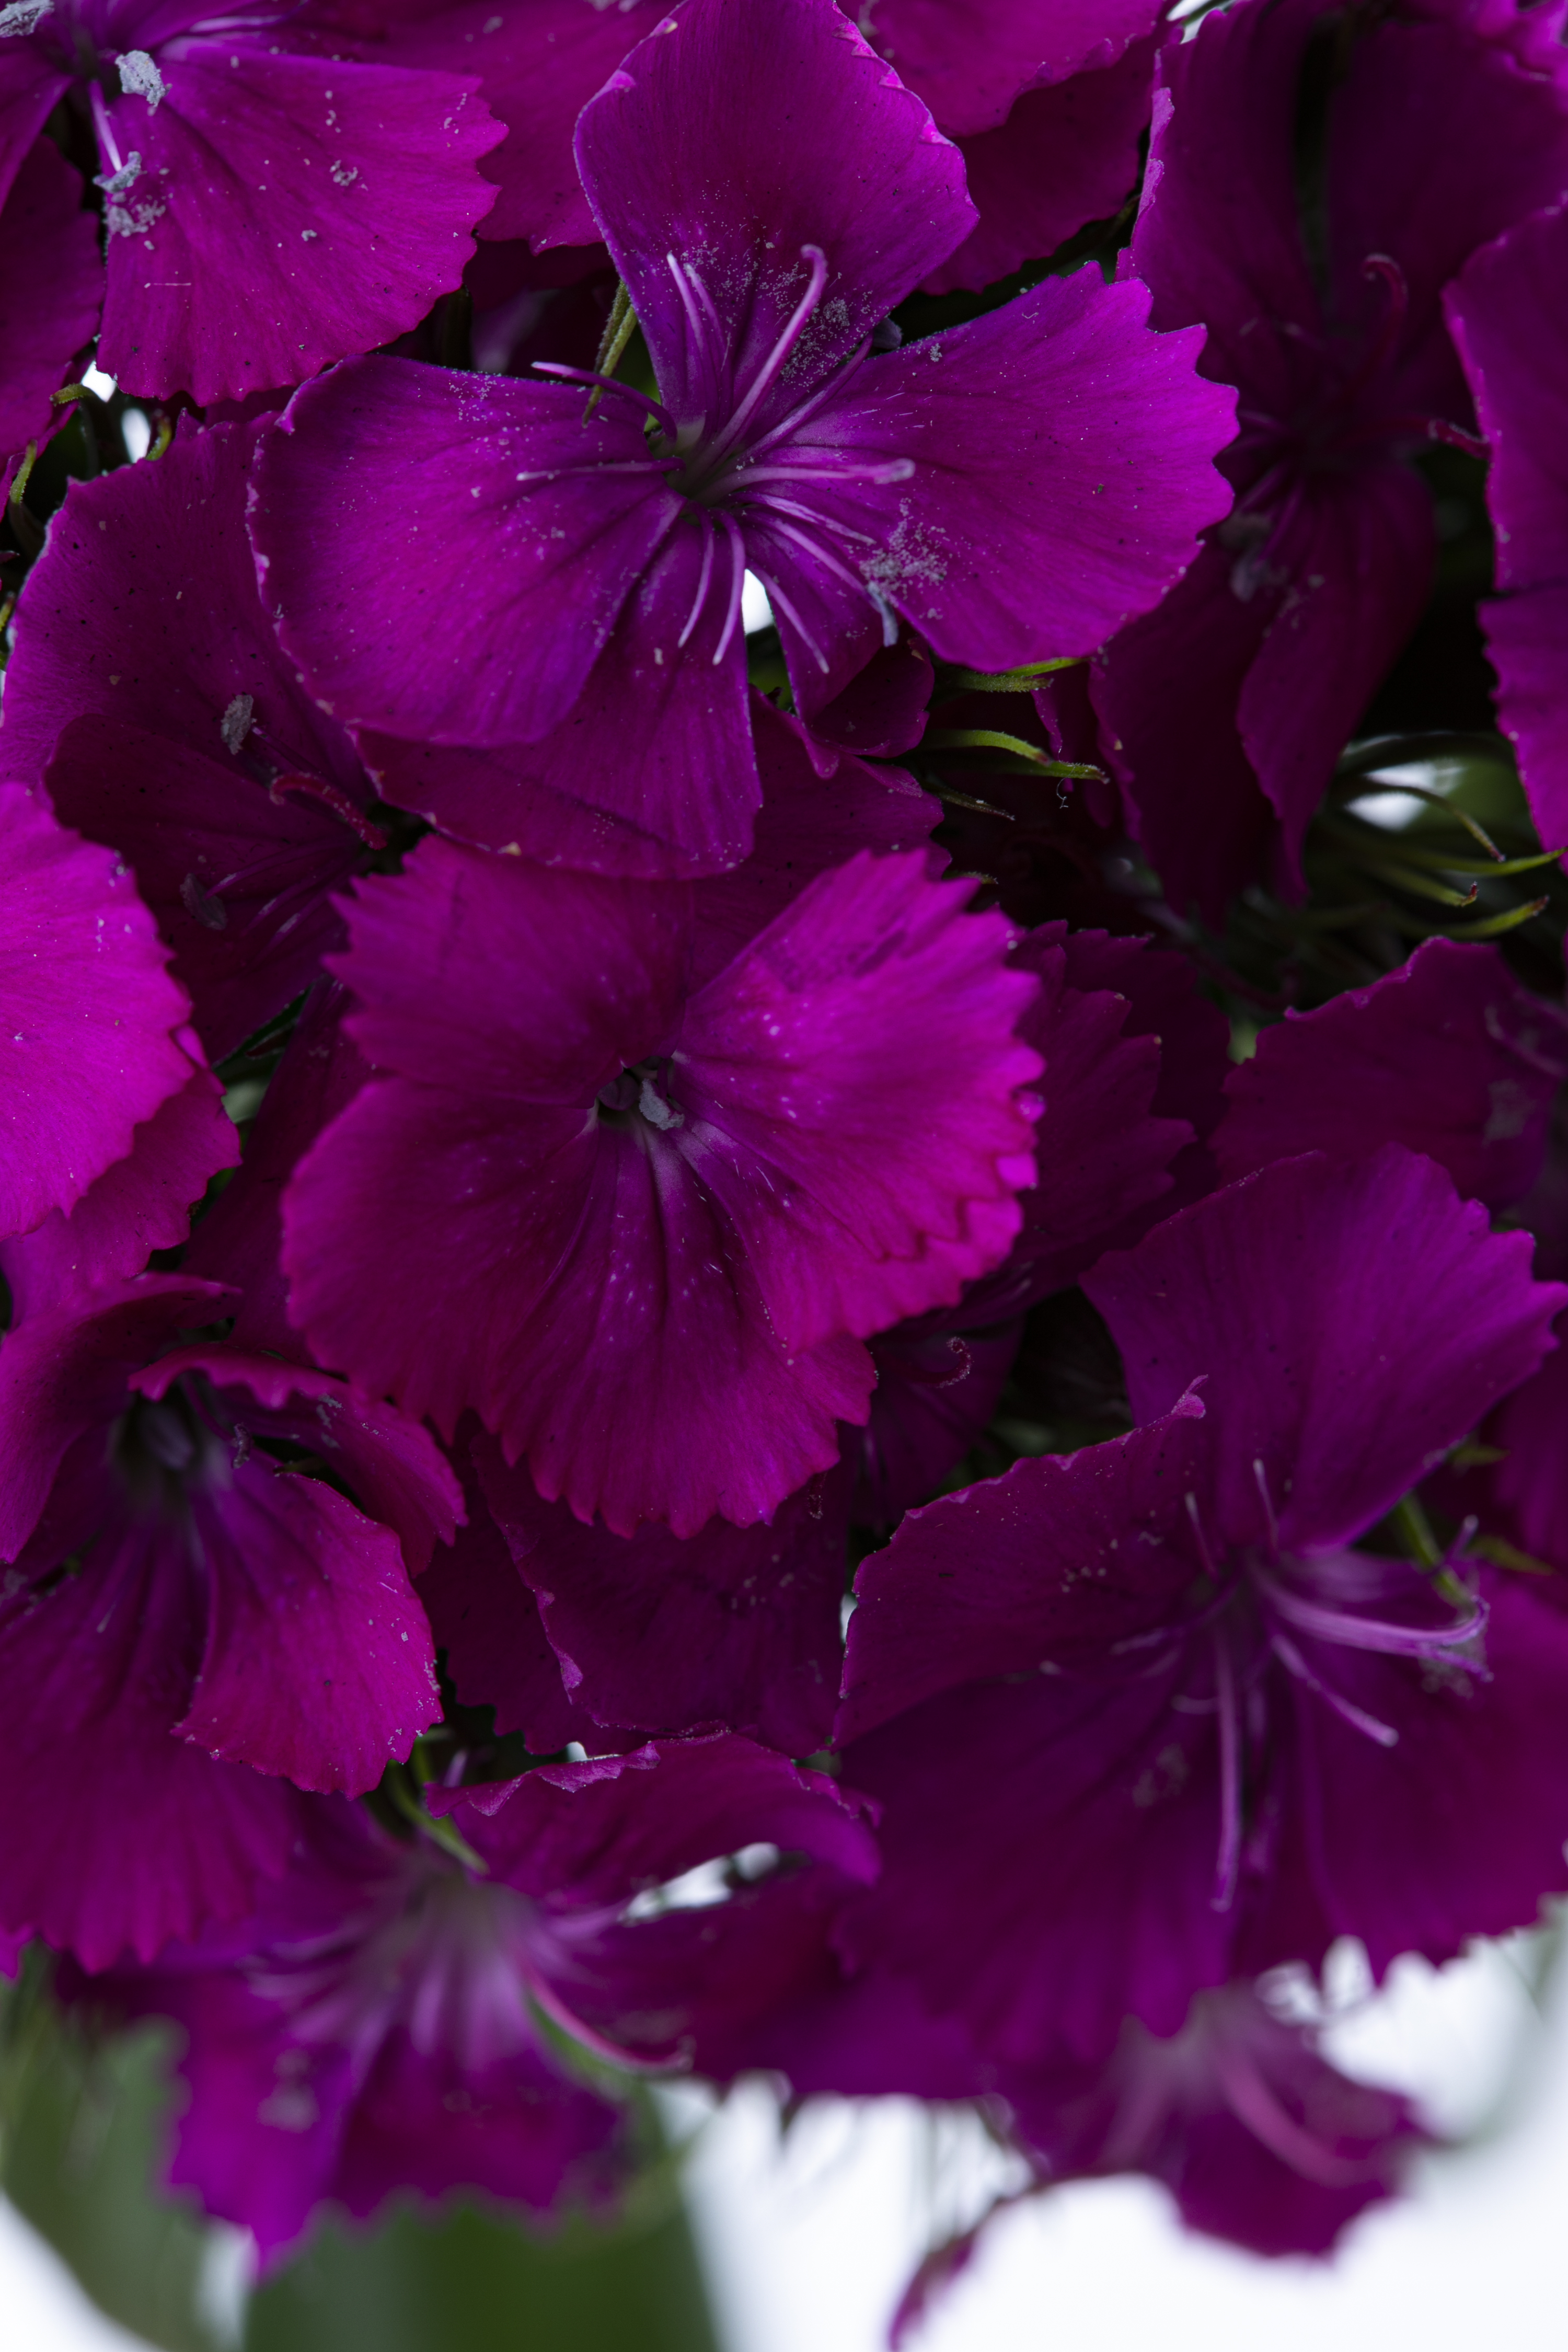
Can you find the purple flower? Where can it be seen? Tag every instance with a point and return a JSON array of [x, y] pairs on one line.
[[147, 688], [185, 1615], [1506, 315], [644, 1217], [369, 2029], [1144, 1718], [50, 287], [92, 1020], [375, 2025], [267, 209], [1018, 486], [1225, 710], [1258, 2137], [1448, 1056]]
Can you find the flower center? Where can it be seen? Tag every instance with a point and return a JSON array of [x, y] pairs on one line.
[[641, 1092]]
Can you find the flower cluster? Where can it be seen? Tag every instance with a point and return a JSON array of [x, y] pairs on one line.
[[800, 1338]]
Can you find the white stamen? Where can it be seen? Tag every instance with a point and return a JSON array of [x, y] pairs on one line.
[[140, 78], [701, 596], [235, 723], [737, 588], [24, 16]]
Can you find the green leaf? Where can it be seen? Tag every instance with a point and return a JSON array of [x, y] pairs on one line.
[[83, 2138], [473, 2284]]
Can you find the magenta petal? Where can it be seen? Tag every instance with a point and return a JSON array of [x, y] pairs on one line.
[[585, 1835], [734, 1626], [1166, 692], [1362, 564], [239, 1238], [397, 1471], [141, 1204], [518, 2128], [807, 824], [655, 757], [594, 974], [936, 1392], [318, 1662], [1314, 1301], [63, 1371], [743, 84], [143, 609], [1067, 154], [1525, 635], [969, 59], [290, 210], [1259, 2139], [52, 283], [496, 1653], [1531, 1480], [237, 879], [31, 85], [849, 1083], [1062, 462], [148, 686], [1014, 1568], [1048, 1860], [122, 1834], [1448, 1055], [259, 2133], [501, 487], [1506, 313], [538, 64], [87, 1010], [1466, 1835], [1102, 1154], [590, 1302]]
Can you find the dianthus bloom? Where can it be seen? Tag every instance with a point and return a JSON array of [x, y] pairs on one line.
[[645, 1217], [1226, 710], [190, 1624], [550, 586], [1203, 1728], [267, 209], [377, 2022]]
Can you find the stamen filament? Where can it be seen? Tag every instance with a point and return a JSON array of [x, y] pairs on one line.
[[737, 588], [709, 543], [1371, 1633], [780, 603], [767, 375], [109, 146], [1228, 1864], [653, 408], [1291, 1657]]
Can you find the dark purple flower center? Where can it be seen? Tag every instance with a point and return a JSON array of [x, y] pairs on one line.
[[1344, 423], [169, 1451], [739, 470], [642, 1092]]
